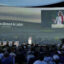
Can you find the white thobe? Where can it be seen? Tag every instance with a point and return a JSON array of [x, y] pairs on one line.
[[58, 20]]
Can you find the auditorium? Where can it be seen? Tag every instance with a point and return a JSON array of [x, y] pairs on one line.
[[31, 35]]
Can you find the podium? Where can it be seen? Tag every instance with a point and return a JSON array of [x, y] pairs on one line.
[[57, 25]]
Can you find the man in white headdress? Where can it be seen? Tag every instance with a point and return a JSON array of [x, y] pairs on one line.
[[60, 18]]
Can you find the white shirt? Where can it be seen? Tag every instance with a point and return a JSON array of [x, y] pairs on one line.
[[63, 46], [43, 62], [12, 54], [1, 55], [48, 59], [38, 62], [55, 57], [29, 57], [58, 20]]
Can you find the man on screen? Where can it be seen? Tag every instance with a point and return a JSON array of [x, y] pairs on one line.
[[60, 18]]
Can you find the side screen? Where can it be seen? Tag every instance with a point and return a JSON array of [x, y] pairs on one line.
[[52, 19]]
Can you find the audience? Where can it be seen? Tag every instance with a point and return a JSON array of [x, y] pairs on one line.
[[31, 54]]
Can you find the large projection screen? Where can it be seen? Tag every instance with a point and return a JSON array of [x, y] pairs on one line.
[[52, 18]]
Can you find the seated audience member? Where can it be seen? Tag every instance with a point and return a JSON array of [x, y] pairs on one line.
[[7, 44], [48, 58], [13, 45], [62, 58], [40, 61], [30, 56], [20, 54], [1, 43], [12, 54], [56, 58], [6, 59], [1, 55]]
